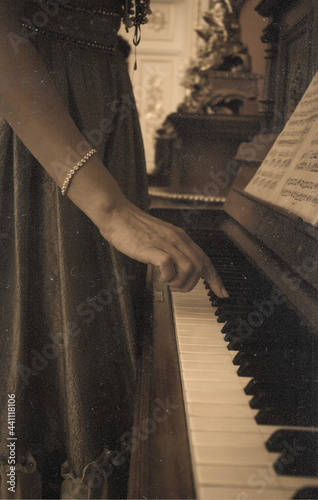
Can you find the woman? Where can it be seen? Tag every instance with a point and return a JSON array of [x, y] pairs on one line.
[[71, 266]]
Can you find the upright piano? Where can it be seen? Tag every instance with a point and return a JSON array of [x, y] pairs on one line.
[[228, 401], [227, 404]]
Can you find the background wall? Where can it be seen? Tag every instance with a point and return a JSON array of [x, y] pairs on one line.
[[168, 42]]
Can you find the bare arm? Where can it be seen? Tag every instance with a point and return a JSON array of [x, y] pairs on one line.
[[30, 103]]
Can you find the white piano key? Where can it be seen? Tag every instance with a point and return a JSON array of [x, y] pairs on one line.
[[198, 321], [219, 410], [246, 475], [202, 349], [212, 329], [206, 357], [203, 333], [208, 493], [197, 301], [298, 482], [232, 354], [214, 360], [230, 397], [270, 429], [220, 388], [208, 366], [196, 305], [230, 460], [206, 322], [227, 440], [197, 313], [202, 336], [220, 455], [196, 291], [200, 341], [205, 313], [216, 424], [212, 376]]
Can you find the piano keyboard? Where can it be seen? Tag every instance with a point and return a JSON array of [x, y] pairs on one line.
[[227, 445]]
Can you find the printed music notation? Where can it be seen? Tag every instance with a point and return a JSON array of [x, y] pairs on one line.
[[288, 177]]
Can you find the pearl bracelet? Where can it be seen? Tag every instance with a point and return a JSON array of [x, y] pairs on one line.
[[78, 165]]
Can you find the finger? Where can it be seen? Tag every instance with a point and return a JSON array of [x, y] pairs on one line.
[[187, 285], [178, 271], [214, 280], [202, 264], [187, 246], [188, 261], [208, 270], [162, 260], [168, 271], [188, 272], [176, 268]]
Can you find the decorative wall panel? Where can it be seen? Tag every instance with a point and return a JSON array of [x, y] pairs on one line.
[[167, 43]]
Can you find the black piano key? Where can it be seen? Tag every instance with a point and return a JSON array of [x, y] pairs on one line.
[[247, 369], [292, 438], [240, 356], [229, 301], [228, 327], [283, 416], [290, 465], [252, 345], [256, 345], [297, 397], [252, 387], [268, 348], [226, 316], [235, 345], [228, 337], [233, 314], [269, 366], [298, 452], [306, 494], [271, 381]]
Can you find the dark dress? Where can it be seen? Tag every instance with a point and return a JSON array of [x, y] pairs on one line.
[[70, 303]]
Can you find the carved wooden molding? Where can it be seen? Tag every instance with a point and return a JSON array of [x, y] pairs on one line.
[[270, 34], [268, 7]]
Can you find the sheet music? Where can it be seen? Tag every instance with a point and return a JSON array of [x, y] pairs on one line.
[[288, 175], [299, 194]]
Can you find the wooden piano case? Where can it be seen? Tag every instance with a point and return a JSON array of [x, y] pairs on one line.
[[271, 240]]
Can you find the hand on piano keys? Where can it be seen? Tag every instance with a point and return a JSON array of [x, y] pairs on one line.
[[250, 393], [152, 241]]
